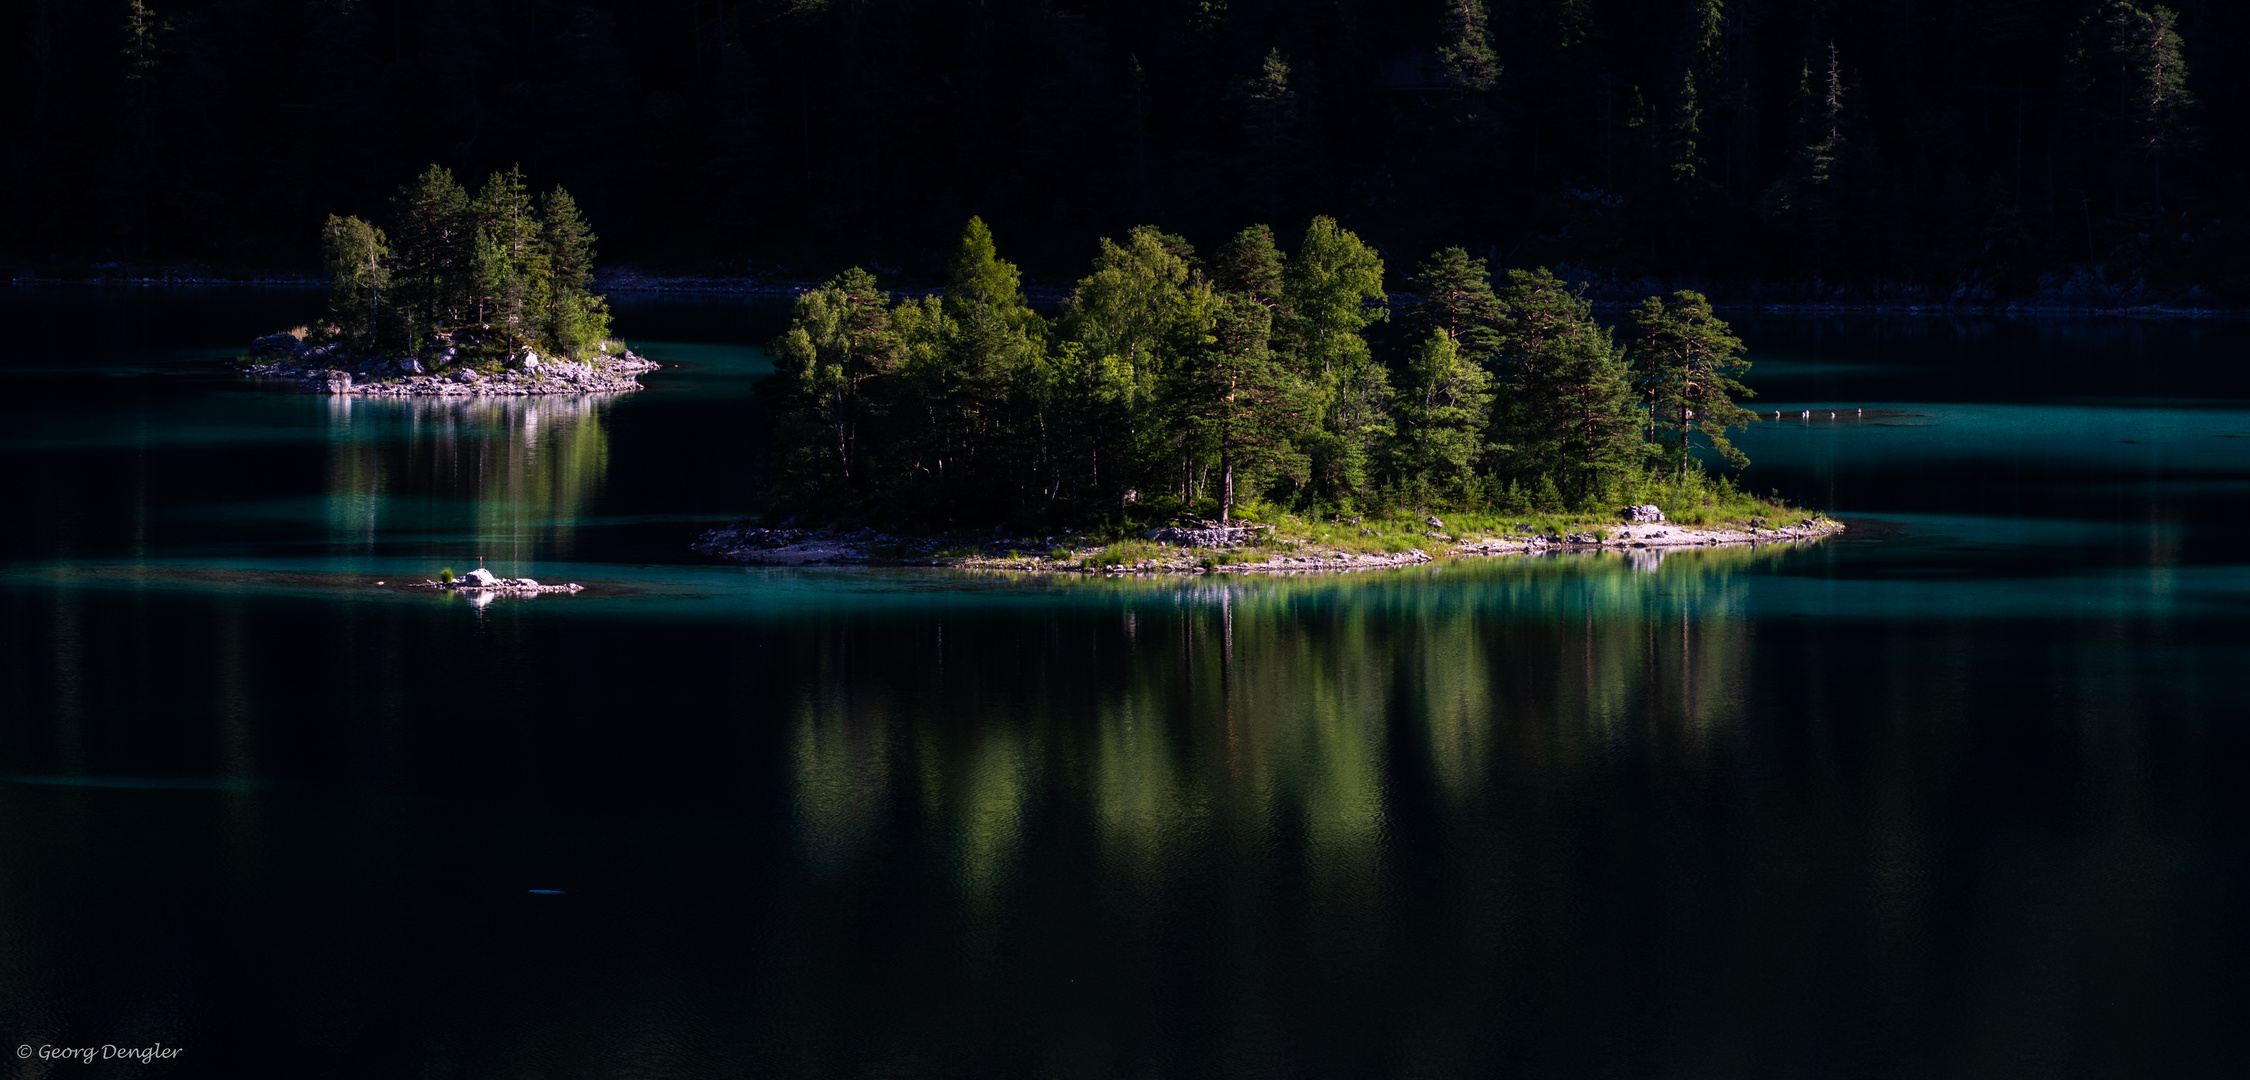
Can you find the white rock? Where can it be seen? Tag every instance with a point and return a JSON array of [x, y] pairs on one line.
[[480, 577]]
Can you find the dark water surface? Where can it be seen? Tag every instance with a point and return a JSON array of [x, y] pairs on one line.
[[1956, 795]]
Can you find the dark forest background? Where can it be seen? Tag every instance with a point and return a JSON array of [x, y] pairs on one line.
[[1967, 149]]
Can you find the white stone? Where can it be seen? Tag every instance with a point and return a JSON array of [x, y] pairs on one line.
[[480, 577]]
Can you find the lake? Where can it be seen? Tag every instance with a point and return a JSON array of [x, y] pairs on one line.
[[1954, 794]]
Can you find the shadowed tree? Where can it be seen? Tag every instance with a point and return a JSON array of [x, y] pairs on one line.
[[1457, 300], [1685, 361], [1237, 403], [433, 229], [839, 340], [1444, 415]]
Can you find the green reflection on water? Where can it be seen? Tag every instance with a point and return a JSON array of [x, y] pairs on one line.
[[526, 470], [1255, 714]]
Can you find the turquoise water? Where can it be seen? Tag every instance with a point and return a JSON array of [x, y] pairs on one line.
[[1951, 795]]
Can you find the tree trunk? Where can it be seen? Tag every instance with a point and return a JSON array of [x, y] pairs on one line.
[[1226, 489]]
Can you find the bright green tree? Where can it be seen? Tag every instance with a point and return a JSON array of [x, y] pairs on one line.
[[1333, 292], [980, 384], [358, 261], [1117, 333]]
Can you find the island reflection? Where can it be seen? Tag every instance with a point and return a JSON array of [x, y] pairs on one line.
[[515, 472]]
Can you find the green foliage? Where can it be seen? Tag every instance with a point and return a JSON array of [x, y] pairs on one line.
[[358, 261], [1458, 301], [446, 575], [1334, 291], [1571, 421], [1242, 388], [499, 273], [1685, 362], [1443, 420], [1467, 57], [1236, 401]]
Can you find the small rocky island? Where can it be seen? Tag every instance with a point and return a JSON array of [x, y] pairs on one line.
[[332, 369], [479, 296], [481, 581]]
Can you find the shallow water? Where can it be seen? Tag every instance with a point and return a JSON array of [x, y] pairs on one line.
[[1953, 794]]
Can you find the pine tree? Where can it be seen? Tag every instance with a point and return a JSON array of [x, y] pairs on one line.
[[358, 262], [1537, 307], [1458, 301], [1685, 361], [1236, 402], [1250, 264]]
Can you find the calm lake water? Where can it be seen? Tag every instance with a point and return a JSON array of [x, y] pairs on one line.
[[1957, 794]]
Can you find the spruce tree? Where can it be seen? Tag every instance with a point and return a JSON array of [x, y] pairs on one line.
[[1685, 361], [513, 264], [576, 319], [1444, 416], [1572, 416], [973, 386], [434, 246]]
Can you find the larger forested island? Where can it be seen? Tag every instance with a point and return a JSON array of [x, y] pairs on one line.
[[483, 295], [1242, 383]]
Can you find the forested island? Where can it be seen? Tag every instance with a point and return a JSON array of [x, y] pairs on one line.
[[483, 295], [1237, 399]]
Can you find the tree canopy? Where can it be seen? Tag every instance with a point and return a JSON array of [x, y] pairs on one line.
[[1170, 385]]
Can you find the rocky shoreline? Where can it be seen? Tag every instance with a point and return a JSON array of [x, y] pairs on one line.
[[329, 370], [1213, 548]]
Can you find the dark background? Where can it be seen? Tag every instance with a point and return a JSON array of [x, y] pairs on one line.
[[795, 137]]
